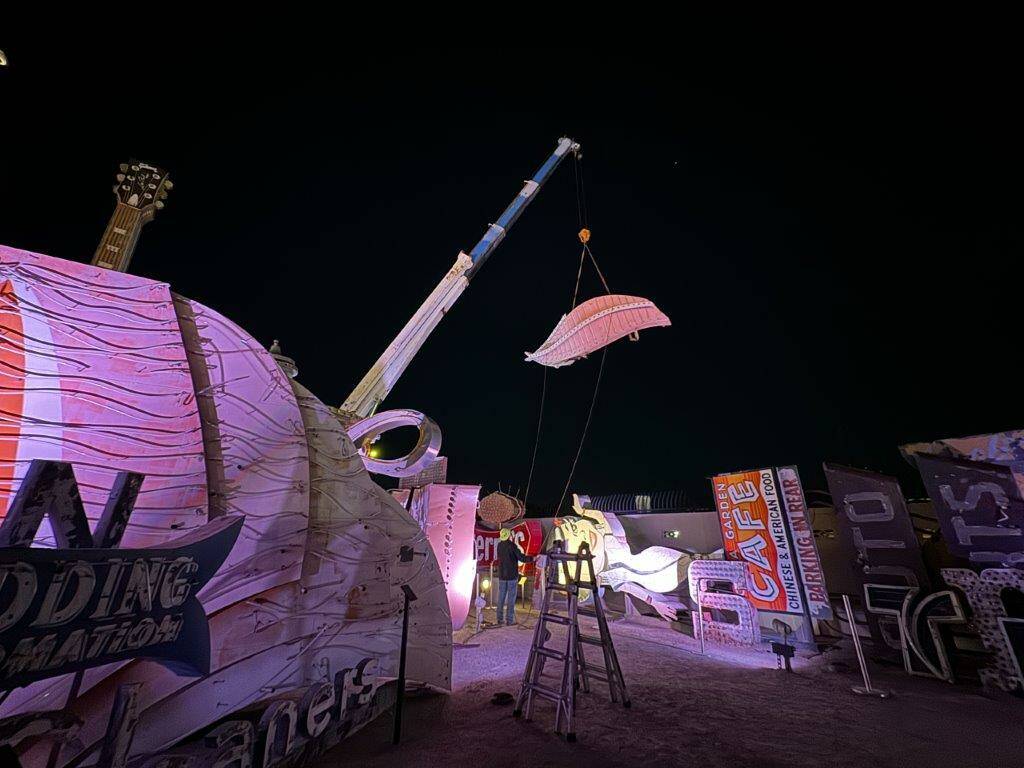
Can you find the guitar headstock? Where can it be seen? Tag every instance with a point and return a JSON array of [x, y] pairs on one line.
[[142, 186]]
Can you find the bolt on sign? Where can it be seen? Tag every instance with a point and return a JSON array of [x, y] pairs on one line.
[[753, 523]]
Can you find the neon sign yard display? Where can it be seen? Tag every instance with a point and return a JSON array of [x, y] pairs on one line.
[[753, 526], [527, 535], [812, 575], [115, 376], [978, 507], [651, 575], [285, 731], [75, 609], [702, 573], [81, 606]]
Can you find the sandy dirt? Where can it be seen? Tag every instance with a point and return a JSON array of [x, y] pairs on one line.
[[730, 707]]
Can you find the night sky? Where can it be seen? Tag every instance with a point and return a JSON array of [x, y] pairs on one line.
[[838, 246]]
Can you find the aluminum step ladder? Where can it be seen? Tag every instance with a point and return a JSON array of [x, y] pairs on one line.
[[576, 673]]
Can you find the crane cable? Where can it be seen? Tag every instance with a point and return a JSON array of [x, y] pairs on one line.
[[584, 237], [536, 441], [583, 437]]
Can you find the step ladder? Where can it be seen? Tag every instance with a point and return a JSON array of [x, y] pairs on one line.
[[576, 672]]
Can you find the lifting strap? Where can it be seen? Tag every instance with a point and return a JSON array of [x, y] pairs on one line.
[[584, 237]]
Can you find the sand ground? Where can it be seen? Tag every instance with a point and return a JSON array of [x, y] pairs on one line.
[[729, 707]]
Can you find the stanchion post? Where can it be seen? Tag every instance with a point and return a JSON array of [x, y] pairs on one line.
[[400, 694], [700, 615], [478, 603], [866, 690]]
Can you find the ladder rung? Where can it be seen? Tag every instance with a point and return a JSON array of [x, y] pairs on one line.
[[552, 683], [543, 690], [558, 655], [567, 557], [554, 617], [557, 585]]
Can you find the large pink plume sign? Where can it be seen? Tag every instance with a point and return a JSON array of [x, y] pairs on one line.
[[594, 324]]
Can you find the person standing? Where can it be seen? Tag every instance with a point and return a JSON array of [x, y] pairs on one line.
[[509, 558]]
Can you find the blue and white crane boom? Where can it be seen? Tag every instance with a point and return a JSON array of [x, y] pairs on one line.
[[381, 378]]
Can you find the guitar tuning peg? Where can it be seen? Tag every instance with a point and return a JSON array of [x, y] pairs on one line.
[[119, 177], [162, 195], [168, 185], [159, 205], [123, 167]]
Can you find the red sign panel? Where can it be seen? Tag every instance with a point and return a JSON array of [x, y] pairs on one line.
[[528, 536], [754, 530]]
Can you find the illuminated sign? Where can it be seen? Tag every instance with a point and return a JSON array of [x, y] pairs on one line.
[[122, 376], [527, 535], [753, 524], [812, 576], [652, 575], [703, 574]]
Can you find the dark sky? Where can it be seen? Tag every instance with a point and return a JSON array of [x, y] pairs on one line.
[[837, 244]]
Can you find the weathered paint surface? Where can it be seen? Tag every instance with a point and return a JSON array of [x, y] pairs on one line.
[[105, 385], [594, 324], [119, 374], [651, 575], [255, 451], [447, 513]]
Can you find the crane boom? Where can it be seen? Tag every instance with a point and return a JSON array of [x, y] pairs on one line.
[[384, 374]]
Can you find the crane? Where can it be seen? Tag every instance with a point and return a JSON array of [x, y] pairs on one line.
[[384, 374]]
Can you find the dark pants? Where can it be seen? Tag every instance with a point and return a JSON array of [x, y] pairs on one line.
[[507, 600]]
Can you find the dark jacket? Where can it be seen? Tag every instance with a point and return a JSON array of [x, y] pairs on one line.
[[509, 557]]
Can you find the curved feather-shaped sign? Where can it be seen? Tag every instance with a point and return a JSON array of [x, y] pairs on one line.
[[594, 324]]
